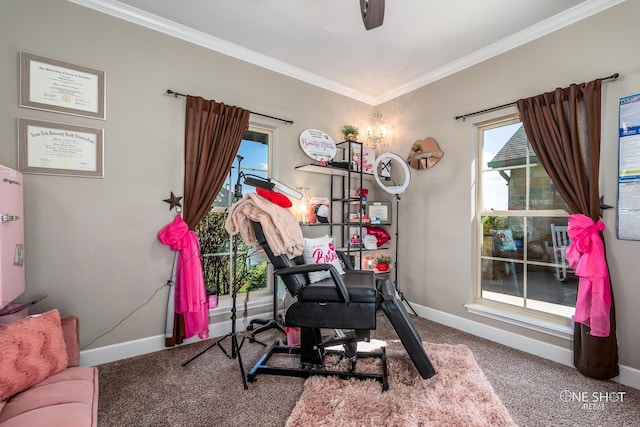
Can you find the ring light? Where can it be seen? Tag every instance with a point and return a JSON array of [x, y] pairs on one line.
[[391, 189]]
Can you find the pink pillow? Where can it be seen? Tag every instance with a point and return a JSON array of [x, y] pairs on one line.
[[277, 198], [380, 234], [31, 350]]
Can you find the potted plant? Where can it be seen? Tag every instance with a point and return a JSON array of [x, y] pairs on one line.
[[350, 133], [382, 262]]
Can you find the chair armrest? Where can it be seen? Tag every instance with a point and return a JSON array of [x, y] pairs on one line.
[[70, 330], [310, 268]]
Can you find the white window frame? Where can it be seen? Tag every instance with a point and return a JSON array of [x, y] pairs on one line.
[[262, 297], [530, 318]]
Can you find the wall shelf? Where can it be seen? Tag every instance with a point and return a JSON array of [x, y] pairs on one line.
[[341, 181], [329, 170]]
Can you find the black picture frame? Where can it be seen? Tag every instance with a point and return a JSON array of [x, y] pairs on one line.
[[379, 212]]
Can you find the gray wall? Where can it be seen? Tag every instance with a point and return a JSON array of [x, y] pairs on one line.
[[438, 206], [92, 243]]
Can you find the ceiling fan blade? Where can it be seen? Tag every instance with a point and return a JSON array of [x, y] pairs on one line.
[[372, 13]]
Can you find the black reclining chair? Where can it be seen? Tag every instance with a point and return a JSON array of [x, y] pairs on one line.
[[344, 304]]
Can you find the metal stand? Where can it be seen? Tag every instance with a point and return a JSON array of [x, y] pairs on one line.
[[275, 322], [235, 347], [395, 264], [305, 370]]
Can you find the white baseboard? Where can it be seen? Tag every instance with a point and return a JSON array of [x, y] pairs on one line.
[[124, 350], [628, 376]]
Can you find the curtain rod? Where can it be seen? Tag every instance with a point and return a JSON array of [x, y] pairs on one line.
[[289, 122], [500, 107]]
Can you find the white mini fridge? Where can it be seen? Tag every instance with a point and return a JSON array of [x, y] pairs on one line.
[[12, 256]]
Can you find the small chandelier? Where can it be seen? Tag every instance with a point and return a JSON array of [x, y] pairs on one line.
[[377, 131]]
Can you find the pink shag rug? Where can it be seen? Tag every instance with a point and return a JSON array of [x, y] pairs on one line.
[[458, 395]]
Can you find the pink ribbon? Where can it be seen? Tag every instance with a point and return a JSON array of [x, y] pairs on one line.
[[191, 298], [585, 255]]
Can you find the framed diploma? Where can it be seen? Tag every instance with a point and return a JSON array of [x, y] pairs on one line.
[[59, 149], [47, 84], [379, 212]]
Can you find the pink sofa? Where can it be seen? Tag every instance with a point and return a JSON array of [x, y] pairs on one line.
[[67, 398]]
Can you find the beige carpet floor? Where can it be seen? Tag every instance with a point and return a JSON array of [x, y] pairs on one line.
[[154, 390]]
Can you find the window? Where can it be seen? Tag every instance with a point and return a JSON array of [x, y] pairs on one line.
[[520, 263], [216, 245]]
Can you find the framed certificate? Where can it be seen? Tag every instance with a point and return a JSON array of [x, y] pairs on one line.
[[379, 212], [59, 149], [47, 84]]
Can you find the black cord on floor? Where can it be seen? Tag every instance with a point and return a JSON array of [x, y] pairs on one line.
[[169, 283]]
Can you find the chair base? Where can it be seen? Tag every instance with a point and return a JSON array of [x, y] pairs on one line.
[[306, 370]]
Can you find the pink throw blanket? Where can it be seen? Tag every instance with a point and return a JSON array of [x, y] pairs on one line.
[[585, 255], [280, 227], [191, 298]]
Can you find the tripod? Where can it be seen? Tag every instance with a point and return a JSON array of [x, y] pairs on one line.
[[274, 323], [235, 347], [395, 264]]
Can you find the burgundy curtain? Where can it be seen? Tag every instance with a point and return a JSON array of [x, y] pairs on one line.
[[212, 136], [563, 128]]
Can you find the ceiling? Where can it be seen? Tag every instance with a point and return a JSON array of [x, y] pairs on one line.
[[325, 43]]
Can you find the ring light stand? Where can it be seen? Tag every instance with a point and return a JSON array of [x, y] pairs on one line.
[[383, 162]]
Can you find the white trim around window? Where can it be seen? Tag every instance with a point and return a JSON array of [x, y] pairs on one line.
[[558, 329]]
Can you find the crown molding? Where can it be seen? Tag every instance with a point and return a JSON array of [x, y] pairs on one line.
[[168, 27], [165, 26], [573, 15]]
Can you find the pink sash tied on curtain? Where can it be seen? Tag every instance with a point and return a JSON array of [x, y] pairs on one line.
[[191, 298], [585, 255]]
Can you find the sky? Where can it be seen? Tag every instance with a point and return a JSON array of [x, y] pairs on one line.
[[495, 190], [255, 161]]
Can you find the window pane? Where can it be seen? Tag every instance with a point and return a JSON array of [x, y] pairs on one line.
[[254, 149], [501, 146], [502, 277], [216, 273], [541, 243], [543, 286], [212, 235], [216, 245], [247, 188], [225, 196], [256, 155], [254, 275], [520, 261], [503, 237], [495, 191], [543, 194]]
